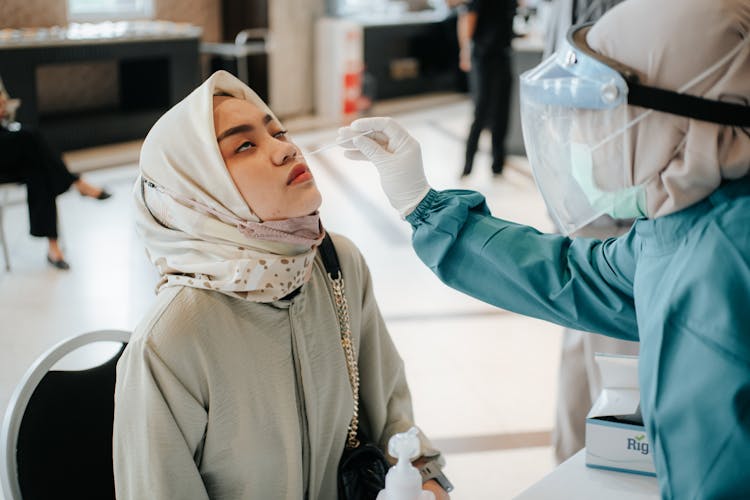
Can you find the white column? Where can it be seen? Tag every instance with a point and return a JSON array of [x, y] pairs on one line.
[[291, 60]]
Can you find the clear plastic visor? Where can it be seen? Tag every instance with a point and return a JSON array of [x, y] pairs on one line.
[[576, 124], [579, 132]]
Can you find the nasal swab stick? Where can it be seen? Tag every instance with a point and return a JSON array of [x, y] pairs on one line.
[[338, 143]]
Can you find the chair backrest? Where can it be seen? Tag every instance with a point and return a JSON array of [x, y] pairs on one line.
[[56, 439], [254, 41]]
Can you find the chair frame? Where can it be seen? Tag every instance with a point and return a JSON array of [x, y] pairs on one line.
[[3, 242], [6, 201], [243, 50], [22, 394]]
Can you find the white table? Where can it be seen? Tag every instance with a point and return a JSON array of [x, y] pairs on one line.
[[572, 479]]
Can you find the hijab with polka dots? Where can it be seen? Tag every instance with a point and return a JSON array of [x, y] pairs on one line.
[[197, 228]]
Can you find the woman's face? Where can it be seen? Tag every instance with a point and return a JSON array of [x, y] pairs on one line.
[[268, 169]]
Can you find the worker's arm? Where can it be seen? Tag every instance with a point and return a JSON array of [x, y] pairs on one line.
[[579, 283], [583, 283]]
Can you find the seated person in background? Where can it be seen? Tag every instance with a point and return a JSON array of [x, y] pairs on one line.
[[25, 157], [236, 384]]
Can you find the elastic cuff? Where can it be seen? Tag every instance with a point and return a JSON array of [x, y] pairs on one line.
[[421, 211], [408, 210]]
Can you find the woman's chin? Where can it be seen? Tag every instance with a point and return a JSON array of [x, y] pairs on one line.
[[313, 202]]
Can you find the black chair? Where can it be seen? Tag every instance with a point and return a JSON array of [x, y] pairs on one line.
[[56, 439]]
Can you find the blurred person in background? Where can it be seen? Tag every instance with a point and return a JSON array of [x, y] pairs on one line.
[[27, 158], [485, 30]]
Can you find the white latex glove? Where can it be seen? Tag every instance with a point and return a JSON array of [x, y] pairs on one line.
[[395, 154]]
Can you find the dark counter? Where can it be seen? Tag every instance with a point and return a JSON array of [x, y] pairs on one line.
[[154, 74]]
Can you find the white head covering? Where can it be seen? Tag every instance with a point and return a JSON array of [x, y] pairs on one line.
[[679, 160], [197, 228]]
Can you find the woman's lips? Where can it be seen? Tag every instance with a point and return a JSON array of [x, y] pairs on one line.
[[299, 173]]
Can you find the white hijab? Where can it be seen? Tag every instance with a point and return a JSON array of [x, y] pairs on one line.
[[680, 160], [197, 228]]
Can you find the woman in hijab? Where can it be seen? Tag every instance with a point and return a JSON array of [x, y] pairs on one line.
[[236, 384], [637, 116]]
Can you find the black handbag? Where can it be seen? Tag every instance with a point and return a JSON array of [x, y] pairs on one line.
[[363, 465], [362, 472]]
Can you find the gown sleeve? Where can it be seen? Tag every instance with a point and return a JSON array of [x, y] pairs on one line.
[[158, 430], [580, 283]]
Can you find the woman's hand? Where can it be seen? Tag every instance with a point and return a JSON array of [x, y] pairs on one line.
[[395, 154], [8, 106], [434, 487], [464, 59]]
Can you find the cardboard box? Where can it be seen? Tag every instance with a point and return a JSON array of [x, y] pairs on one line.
[[615, 436]]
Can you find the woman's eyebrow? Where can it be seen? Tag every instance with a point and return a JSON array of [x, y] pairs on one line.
[[239, 129]]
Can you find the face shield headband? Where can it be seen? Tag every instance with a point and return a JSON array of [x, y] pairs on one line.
[[668, 101], [578, 123]]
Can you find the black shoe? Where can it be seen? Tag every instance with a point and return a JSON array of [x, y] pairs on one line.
[[498, 167], [104, 195], [58, 263]]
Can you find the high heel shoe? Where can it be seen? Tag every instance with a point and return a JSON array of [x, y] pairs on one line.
[[104, 195], [58, 263], [86, 192]]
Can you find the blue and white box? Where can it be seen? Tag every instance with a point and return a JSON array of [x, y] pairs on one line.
[[615, 436]]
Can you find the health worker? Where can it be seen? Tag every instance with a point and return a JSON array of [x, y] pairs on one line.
[[643, 114]]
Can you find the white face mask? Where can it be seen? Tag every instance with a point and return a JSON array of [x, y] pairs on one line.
[[627, 203]]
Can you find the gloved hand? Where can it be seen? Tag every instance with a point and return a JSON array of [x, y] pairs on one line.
[[395, 154]]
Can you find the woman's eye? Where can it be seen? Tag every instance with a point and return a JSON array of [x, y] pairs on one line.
[[244, 146], [280, 134]]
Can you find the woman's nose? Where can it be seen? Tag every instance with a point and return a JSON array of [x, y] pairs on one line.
[[284, 153]]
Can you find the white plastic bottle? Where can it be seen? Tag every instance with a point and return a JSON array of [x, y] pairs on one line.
[[403, 481]]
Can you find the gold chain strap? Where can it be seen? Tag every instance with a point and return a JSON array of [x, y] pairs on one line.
[[342, 312]]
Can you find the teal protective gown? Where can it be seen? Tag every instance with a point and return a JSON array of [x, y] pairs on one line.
[[679, 284]]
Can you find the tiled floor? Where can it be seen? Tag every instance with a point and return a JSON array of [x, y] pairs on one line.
[[483, 380]]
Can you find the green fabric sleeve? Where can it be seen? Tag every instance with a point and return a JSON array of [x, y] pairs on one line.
[[580, 283]]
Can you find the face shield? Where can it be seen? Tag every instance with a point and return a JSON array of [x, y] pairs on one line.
[[578, 112]]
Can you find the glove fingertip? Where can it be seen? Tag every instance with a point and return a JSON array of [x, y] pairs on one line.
[[362, 141], [345, 133], [372, 123], [355, 155], [366, 145], [360, 124]]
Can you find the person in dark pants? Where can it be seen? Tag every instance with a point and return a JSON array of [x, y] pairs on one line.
[[485, 30], [25, 157]]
